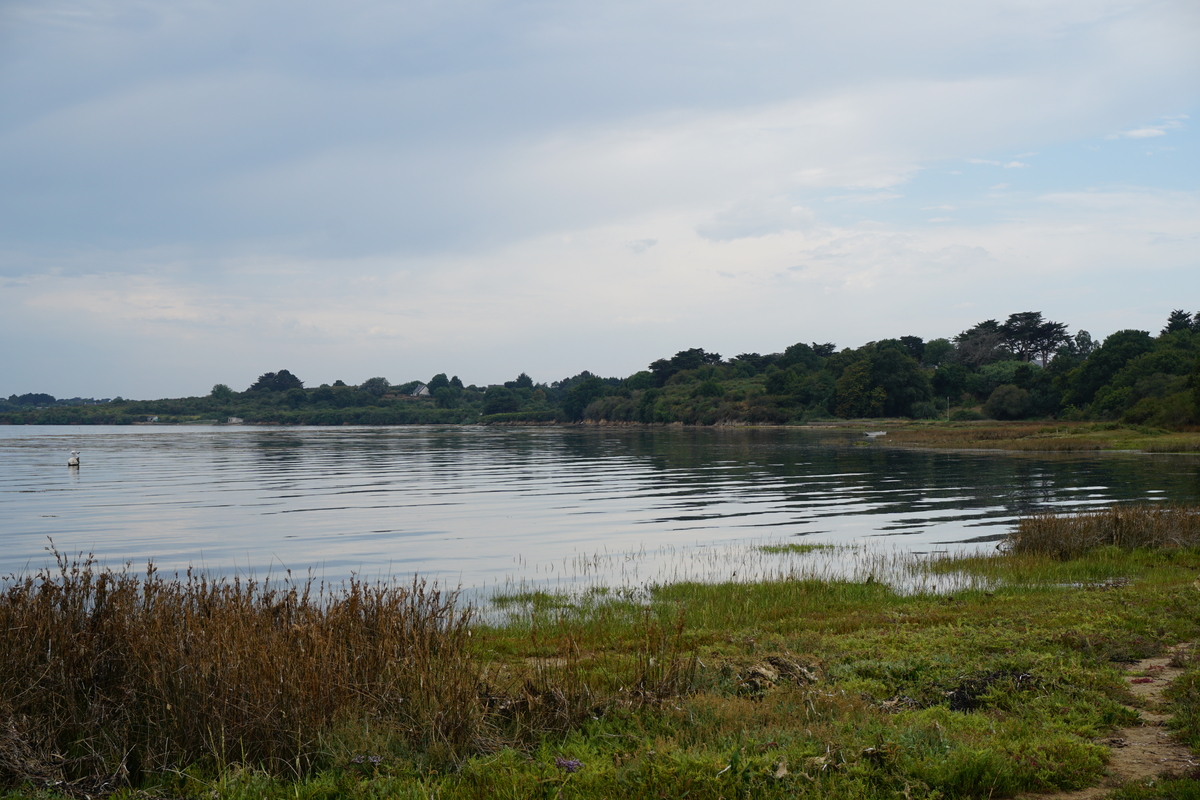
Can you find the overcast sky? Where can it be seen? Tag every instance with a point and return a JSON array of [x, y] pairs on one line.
[[198, 192]]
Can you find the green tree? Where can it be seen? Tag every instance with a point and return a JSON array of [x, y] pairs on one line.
[[376, 387], [295, 397], [1083, 345], [950, 380], [990, 376], [221, 392], [936, 352], [437, 382], [915, 346], [276, 382], [1178, 320], [856, 396], [694, 358], [748, 365], [1008, 402], [647, 406], [1105, 362], [639, 381], [1028, 336], [900, 377], [980, 344], [780, 381], [1194, 383], [498, 400], [581, 395], [801, 357], [447, 397], [824, 350]]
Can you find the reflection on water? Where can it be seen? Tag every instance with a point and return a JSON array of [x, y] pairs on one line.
[[479, 505]]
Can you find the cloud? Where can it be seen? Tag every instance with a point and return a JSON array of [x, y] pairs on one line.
[[1151, 131], [1006, 165], [217, 189], [752, 219]]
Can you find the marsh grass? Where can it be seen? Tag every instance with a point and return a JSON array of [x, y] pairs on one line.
[[1069, 535], [1059, 436], [105, 675], [885, 675], [791, 547]]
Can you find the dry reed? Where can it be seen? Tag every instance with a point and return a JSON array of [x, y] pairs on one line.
[[105, 675], [1070, 535], [109, 676]]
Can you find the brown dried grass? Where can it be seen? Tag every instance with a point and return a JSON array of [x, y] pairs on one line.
[[1070, 535], [105, 675]]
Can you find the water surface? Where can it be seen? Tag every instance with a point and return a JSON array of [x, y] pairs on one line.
[[479, 505]]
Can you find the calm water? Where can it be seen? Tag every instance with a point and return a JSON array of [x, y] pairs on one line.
[[478, 506]]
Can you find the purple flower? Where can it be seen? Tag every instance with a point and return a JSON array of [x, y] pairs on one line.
[[568, 764]]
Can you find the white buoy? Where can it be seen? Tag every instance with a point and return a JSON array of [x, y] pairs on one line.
[[73, 461]]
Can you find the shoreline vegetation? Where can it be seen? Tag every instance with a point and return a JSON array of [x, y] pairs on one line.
[[1024, 369], [997, 675]]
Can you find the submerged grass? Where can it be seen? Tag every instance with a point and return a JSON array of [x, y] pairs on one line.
[[892, 682]]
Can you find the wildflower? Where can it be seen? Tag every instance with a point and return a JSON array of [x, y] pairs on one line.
[[568, 764]]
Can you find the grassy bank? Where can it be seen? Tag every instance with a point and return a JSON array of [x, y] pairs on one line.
[[796, 687], [1049, 436]]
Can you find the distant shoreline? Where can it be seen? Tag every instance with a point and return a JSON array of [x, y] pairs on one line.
[[1025, 435]]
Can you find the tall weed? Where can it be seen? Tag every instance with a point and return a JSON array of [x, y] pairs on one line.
[[1127, 527], [105, 675]]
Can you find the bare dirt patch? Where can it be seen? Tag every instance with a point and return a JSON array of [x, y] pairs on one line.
[[1147, 750]]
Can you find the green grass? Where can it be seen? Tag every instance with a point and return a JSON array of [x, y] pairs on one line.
[[796, 549], [791, 687]]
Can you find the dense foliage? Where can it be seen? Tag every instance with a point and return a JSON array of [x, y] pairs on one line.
[[1025, 367]]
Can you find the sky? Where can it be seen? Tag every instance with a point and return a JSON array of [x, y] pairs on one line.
[[198, 192]]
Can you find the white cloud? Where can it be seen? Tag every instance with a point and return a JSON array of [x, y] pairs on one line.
[[1151, 131], [455, 185], [756, 218]]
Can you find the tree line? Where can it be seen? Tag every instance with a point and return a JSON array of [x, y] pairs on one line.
[[1022, 368]]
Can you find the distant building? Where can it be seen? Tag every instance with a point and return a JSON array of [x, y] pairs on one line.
[[421, 391], [235, 420], [151, 419]]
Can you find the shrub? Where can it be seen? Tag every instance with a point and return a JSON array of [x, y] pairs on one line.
[[925, 410], [1008, 402]]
